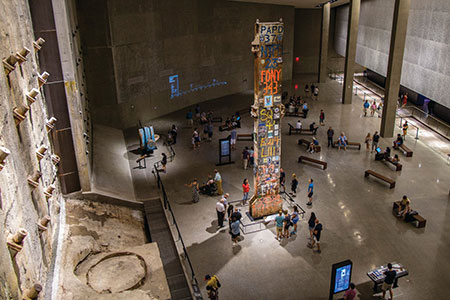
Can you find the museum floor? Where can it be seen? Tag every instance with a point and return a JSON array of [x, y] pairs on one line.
[[355, 211]]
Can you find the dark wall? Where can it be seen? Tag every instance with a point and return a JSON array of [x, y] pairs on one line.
[[307, 40], [132, 47]]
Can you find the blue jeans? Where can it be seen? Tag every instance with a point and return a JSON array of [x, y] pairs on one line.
[[245, 197]]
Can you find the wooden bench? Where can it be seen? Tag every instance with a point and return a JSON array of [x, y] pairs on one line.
[[316, 161], [349, 144], [421, 221], [305, 142], [294, 114], [245, 137], [225, 127], [405, 149], [381, 177], [398, 166], [293, 129], [216, 120]]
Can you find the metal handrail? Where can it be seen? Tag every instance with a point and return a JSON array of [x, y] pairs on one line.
[[425, 117]]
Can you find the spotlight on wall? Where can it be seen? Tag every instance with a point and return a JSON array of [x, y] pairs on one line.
[[9, 64], [4, 152], [41, 152], [33, 180], [15, 242], [31, 96], [55, 159], [37, 44], [19, 113], [22, 55], [42, 78], [49, 191], [43, 223], [33, 292], [50, 124]]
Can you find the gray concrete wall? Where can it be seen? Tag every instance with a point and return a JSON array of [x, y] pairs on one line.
[[132, 47], [426, 63], [307, 40], [21, 206]]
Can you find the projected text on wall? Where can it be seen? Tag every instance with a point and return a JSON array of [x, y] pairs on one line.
[[175, 90]]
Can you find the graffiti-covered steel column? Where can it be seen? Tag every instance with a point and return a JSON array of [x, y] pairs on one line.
[[267, 111]]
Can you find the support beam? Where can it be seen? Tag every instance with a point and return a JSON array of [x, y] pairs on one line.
[[395, 63], [323, 58], [350, 53]]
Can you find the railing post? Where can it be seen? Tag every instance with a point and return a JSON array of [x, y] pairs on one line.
[[364, 96], [400, 126], [417, 133]]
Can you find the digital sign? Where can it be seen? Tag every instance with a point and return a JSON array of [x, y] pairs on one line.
[[341, 276]]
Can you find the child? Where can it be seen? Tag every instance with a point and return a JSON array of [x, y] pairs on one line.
[[367, 141], [294, 184]]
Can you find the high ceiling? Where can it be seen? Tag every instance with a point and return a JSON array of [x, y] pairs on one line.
[[296, 3]]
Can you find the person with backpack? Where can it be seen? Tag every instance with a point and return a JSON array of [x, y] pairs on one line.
[[212, 286]]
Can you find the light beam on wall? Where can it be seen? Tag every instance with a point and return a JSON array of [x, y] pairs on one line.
[[175, 90]]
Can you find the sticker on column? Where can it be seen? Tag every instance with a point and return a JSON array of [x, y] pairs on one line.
[[268, 101]]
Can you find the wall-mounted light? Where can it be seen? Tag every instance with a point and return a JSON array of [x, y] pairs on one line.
[[49, 191], [42, 78], [37, 44], [9, 64], [43, 223], [50, 123], [19, 113], [33, 180], [15, 242], [4, 152], [33, 292], [41, 152], [22, 55], [55, 159], [31, 96]]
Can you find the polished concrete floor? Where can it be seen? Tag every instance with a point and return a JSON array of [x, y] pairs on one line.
[[355, 211]]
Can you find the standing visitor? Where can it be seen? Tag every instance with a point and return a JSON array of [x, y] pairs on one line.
[[350, 294], [310, 191], [316, 93], [189, 119], [313, 88], [375, 140], [404, 100], [311, 224], [210, 131], [218, 181], [220, 209], [342, 142], [282, 179], [373, 108], [366, 106], [233, 139], [197, 112], [316, 236], [195, 189], [235, 231], [330, 134], [174, 133], [405, 129], [305, 110], [306, 90], [294, 184], [196, 137], [367, 141], [212, 286], [251, 153], [322, 117], [163, 162], [286, 223], [245, 190], [245, 157], [389, 281], [380, 108], [295, 218], [279, 220]]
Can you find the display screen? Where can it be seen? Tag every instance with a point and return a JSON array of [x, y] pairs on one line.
[[224, 147], [342, 280]]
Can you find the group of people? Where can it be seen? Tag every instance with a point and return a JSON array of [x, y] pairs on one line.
[[314, 91], [294, 186], [212, 187], [373, 107], [284, 221], [248, 157]]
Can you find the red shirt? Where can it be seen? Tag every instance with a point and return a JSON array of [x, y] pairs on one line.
[[246, 187], [350, 294]]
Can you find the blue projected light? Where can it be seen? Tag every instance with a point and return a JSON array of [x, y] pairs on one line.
[[342, 279], [175, 90]]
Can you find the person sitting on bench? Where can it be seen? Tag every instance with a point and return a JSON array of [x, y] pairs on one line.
[[313, 128], [395, 160], [378, 155], [405, 208], [291, 107], [387, 153], [311, 146], [203, 118], [342, 141], [236, 120], [298, 125], [398, 142]]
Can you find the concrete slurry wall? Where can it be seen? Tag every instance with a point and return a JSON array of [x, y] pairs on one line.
[[21, 205], [426, 63], [131, 48]]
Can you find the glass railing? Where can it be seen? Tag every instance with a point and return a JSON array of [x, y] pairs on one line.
[[426, 119]]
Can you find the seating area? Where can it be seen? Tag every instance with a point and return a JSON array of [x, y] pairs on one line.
[[415, 218], [408, 152], [390, 181], [312, 160], [295, 114], [398, 166], [292, 129], [349, 144], [306, 143]]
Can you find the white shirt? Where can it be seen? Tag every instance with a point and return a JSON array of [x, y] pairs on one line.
[[217, 177], [225, 201], [220, 207], [299, 125]]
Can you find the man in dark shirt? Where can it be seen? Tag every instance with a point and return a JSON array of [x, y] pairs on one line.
[[398, 142], [282, 179], [316, 236], [375, 140], [330, 134], [389, 280], [313, 128]]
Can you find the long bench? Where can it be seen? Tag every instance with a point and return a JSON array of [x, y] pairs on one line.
[[299, 131], [245, 137], [294, 114], [349, 144], [305, 142], [381, 177], [316, 161], [225, 127], [398, 166], [405, 150], [421, 221]]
